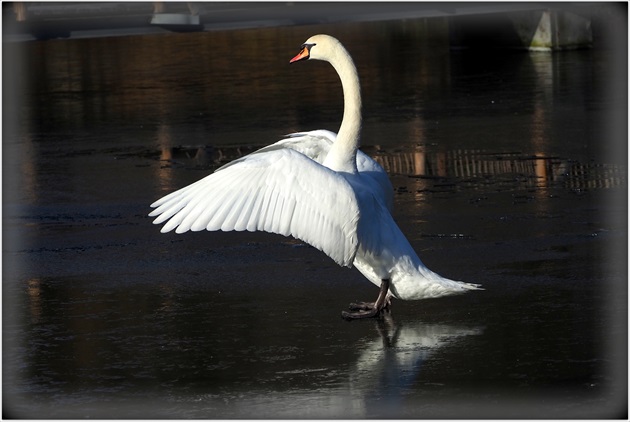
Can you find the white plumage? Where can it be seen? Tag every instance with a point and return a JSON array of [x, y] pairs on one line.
[[279, 191], [318, 187]]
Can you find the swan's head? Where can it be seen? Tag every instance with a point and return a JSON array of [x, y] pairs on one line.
[[318, 47]]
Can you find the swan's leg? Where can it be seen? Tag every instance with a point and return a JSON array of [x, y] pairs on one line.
[[369, 310]]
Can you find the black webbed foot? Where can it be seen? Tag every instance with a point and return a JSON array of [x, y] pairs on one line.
[[361, 306], [359, 314], [362, 310]]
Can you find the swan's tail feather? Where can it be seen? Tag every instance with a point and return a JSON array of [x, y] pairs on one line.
[[470, 286], [432, 285], [446, 287]]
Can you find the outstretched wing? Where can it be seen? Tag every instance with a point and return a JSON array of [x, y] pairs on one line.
[[277, 190]]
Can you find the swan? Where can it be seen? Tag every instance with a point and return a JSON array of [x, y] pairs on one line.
[[318, 187]]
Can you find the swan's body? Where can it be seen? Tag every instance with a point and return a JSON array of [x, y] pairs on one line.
[[318, 187]]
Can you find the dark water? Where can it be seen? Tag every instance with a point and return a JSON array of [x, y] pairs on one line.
[[509, 170]]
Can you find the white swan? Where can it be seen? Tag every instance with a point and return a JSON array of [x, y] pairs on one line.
[[318, 187]]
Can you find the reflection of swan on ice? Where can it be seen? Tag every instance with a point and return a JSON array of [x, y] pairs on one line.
[[317, 187], [391, 364], [387, 372]]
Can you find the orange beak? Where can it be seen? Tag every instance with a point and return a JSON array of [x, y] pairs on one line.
[[302, 55]]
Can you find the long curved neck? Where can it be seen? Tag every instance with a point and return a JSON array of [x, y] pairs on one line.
[[342, 155]]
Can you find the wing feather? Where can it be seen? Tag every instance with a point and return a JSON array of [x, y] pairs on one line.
[[284, 189], [241, 220], [279, 191]]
